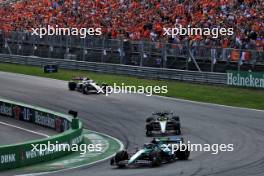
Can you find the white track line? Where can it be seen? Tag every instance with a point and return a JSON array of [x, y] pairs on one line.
[[200, 103], [211, 104], [24, 129]]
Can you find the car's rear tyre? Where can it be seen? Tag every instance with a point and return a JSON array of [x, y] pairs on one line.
[[176, 118], [178, 132], [72, 86], [177, 128], [105, 86], [149, 133]]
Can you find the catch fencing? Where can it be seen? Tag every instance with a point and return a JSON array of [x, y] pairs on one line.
[[137, 53]]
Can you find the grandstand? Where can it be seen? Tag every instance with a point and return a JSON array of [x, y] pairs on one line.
[[141, 24]]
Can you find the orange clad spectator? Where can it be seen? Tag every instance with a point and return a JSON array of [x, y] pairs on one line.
[[179, 10], [225, 43], [129, 17]]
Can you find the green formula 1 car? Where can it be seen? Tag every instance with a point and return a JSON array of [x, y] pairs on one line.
[[158, 151]]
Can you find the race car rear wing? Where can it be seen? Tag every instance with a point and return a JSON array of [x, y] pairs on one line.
[[80, 78], [162, 113], [171, 139]]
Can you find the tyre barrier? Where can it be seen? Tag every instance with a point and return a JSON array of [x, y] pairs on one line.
[[22, 154]]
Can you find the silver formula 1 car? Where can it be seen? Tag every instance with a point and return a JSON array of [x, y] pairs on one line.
[[86, 86], [163, 123], [155, 153]]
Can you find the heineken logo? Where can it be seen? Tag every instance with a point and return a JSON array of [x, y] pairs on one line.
[[45, 119], [245, 79]]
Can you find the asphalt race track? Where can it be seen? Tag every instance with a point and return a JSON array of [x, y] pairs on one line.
[[14, 134], [13, 131], [123, 117]]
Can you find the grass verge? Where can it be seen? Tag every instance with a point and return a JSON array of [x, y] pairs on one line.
[[225, 95]]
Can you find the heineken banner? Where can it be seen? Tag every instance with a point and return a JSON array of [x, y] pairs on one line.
[[31, 115], [245, 79]]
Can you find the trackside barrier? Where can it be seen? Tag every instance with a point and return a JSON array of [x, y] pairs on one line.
[[144, 72], [21, 154]]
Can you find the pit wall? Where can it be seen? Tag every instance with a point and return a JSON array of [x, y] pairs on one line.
[[22, 154]]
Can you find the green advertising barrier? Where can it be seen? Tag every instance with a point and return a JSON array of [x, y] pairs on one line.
[[245, 79], [23, 154]]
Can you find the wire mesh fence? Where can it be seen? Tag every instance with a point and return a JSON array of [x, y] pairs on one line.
[[137, 53]]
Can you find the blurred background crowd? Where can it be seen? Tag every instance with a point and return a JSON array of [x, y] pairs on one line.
[[144, 19]]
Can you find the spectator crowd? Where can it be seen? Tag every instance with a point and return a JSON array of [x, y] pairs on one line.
[[144, 19]]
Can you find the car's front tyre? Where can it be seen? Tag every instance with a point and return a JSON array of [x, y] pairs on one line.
[[120, 156], [183, 155]]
